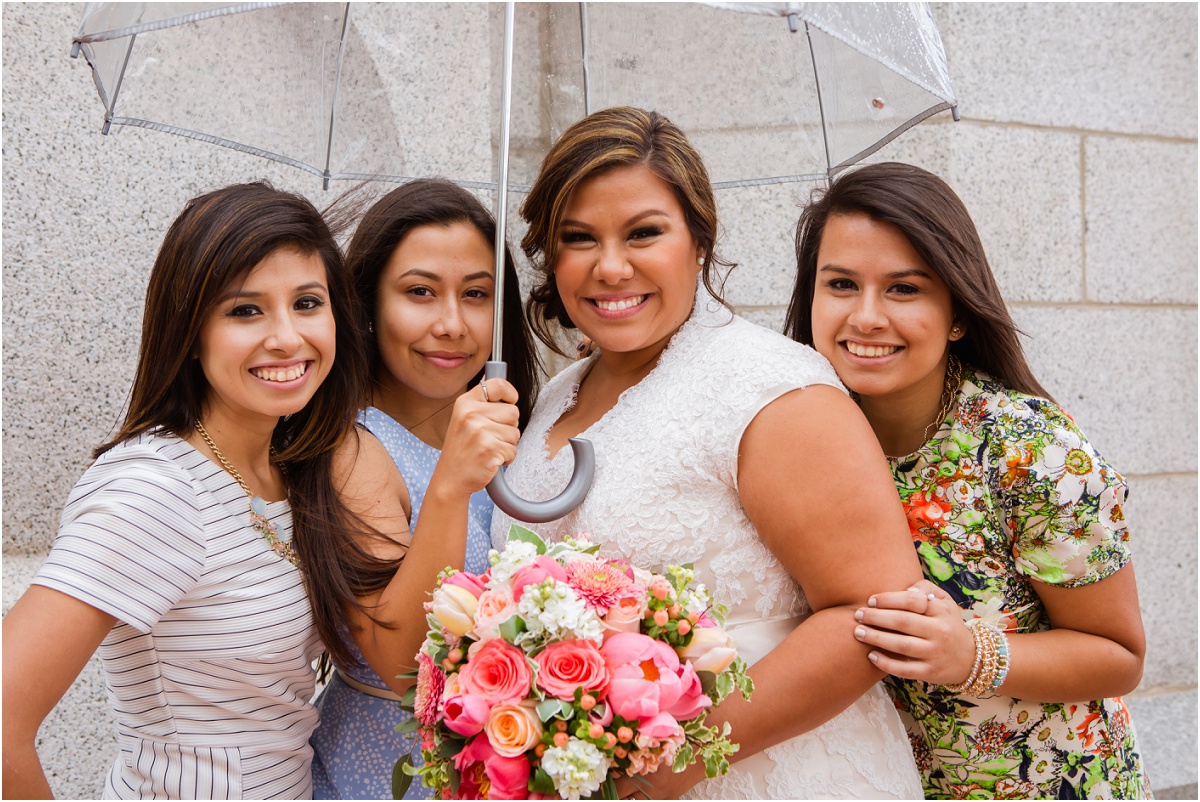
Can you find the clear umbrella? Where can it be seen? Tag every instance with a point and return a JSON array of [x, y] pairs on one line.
[[768, 92]]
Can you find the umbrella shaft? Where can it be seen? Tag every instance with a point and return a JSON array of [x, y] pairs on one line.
[[502, 186]]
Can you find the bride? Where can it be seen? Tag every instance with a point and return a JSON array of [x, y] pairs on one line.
[[718, 443]]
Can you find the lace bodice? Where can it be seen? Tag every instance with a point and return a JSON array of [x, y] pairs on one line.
[[665, 491]]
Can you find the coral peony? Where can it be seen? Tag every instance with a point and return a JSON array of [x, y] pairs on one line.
[[645, 675]]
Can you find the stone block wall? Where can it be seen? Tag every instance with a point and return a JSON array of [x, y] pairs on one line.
[[1076, 154]]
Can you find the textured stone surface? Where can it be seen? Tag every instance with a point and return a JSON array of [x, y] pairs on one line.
[[1162, 512], [1127, 376], [1141, 221], [1076, 155], [1128, 67], [1166, 728]]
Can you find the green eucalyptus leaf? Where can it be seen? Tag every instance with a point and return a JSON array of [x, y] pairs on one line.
[[408, 725], [527, 536], [401, 779]]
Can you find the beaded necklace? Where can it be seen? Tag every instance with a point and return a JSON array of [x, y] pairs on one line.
[[258, 508]]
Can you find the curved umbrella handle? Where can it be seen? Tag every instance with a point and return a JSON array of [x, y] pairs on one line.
[[539, 512]]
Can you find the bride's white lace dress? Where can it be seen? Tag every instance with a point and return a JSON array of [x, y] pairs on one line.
[[665, 491]]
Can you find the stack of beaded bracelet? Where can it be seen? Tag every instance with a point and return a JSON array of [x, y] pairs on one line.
[[990, 669]]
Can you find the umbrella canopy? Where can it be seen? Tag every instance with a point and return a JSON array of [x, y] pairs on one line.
[[767, 92], [347, 91]]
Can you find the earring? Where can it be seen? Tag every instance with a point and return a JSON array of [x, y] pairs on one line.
[[700, 261], [955, 333]]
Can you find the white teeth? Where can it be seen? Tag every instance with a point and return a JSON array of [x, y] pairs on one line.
[[281, 374], [617, 306], [871, 350]]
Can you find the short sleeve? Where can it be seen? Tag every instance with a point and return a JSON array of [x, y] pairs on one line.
[[131, 538], [1063, 504]]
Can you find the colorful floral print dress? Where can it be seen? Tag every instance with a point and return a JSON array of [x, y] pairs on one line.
[[1012, 491]]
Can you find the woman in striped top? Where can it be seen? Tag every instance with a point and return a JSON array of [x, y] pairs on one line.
[[178, 549]]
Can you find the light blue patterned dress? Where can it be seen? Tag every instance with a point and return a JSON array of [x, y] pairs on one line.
[[356, 745]]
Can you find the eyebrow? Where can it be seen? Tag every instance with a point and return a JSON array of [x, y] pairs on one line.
[[637, 218], [241, 293], [416, 271], [915, 271]]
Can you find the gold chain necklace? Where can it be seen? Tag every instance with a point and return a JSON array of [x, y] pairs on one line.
[[258, 508], [954, 376]]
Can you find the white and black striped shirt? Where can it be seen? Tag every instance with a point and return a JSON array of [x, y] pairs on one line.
[[209, 668]]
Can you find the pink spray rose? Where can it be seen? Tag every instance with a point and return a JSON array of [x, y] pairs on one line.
[[571, 664], [627, 614], [486, 774], [496, 606], [539, 571], [498, 673], [465, 713]]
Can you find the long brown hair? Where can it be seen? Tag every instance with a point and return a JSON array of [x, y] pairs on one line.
[[438, 202], [215, 242], [939, 227], [605, 139]]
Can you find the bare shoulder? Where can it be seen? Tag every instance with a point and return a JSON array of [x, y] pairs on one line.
[[367, 477]]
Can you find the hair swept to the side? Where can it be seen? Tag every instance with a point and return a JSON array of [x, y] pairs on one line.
[[215, 242], [937, 224], [614, 137]]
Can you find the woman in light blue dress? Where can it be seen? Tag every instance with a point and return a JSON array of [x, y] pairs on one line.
[[422, 259]]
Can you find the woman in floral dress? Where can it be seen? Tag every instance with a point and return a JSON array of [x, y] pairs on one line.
[[1009, 659]]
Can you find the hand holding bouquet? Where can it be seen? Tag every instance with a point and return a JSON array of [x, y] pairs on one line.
[[557, 669]]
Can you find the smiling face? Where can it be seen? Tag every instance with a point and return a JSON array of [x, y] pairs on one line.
[[880, 315], [269, 341], [627, 263], [433, 315]]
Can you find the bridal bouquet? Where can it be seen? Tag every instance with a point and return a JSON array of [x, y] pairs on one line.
[[557, 669]]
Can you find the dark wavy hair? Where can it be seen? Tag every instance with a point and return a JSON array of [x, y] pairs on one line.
[[937, 224], [438, 202], [615, 137], [214, 243]]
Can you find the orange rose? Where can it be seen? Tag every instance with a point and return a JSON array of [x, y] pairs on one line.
[[512, 730]]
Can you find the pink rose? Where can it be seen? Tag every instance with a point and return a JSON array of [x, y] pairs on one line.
[[539, 571], [496, 606], [627, 614], [571, 664], [658, 740], [467, 581], [478, 762], [498, 672], [692, 699], [465, 713], [645, 675]]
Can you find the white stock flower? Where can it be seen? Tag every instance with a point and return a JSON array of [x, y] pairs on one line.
[[552, 611], [516, 555], [577, 769]]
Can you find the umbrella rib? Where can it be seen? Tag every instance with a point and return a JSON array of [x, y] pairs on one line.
[[812, 54], [777, 179], [215, 140], [158, 25], [583, 46], [337, 84], [862, 154]]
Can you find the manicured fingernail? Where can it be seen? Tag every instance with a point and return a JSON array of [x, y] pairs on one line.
[[860, 633], [871, 602], [915, 590], [858, 615], [874, 658]]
